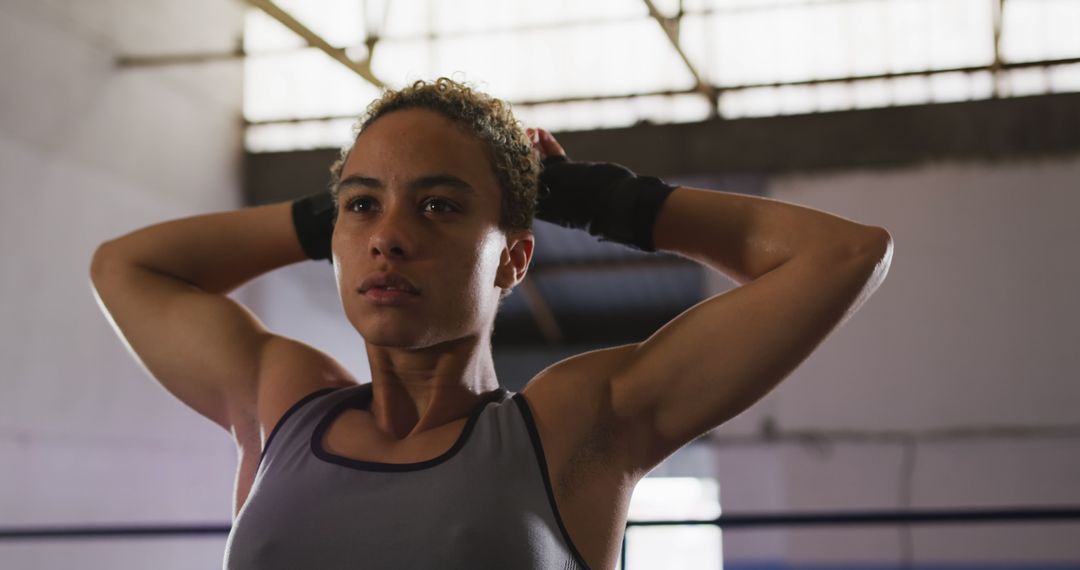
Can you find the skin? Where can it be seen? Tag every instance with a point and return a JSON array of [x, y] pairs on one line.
[[430, 357]]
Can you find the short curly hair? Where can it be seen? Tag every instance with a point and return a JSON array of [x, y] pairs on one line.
[[515, 166]]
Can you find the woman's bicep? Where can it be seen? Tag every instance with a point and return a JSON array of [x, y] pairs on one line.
[[203, 348], [719, 357]]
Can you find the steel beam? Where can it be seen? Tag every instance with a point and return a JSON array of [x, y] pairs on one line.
[[671, 30], [179, 58], [362, 68], [998, 7], [541, 312]]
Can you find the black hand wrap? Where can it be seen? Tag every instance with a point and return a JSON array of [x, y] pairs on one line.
[[313, 217], [605, 199]]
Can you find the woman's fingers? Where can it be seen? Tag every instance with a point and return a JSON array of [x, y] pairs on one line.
[[537, 149], [549, 145], [543, 143]]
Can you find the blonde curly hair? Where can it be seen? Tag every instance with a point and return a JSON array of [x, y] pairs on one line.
[[515, 166]]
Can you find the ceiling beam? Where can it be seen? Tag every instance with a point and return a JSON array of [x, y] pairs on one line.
[[541, 312], [180, 58], [998, 7], [671, 30], [362, 68]]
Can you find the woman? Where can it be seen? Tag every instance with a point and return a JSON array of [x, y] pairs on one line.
[[432, 464]]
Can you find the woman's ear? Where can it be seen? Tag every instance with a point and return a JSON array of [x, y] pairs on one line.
[[515, 258]]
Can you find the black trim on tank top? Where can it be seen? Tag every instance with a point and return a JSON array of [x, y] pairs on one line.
[[357, 401], [534, 435], [292, 409]]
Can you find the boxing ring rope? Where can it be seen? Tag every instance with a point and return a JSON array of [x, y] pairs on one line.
[[907, 516], [730, 521]]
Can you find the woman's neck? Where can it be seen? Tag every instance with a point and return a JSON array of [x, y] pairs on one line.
[[417, 390]]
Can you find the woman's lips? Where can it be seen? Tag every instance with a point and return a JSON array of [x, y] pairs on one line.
[[388, 280], [381, 296]]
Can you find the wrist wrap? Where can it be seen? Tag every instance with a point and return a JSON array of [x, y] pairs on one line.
[[313, 218], [605, 199]]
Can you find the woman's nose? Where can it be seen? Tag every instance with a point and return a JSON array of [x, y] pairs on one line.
[[390, 236]]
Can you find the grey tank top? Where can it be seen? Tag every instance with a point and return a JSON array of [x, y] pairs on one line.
[[487, 502]]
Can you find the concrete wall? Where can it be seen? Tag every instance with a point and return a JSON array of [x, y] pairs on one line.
[[955, 386], [89, 151]]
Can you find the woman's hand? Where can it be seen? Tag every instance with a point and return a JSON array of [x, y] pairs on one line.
[[544, 145], [605, 199]]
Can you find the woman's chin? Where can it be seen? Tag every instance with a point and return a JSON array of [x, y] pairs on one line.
[[394, 339], [389, 331], [403, 339]]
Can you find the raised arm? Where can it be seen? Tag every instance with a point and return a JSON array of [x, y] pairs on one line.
[[164, 289], [802, 273]]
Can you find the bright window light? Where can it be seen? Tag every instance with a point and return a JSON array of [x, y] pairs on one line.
[[949, 87], [675, 547], [1065, 78], [543, 52], [1040, 29]]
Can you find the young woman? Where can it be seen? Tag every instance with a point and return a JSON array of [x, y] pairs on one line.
[[432, 464]]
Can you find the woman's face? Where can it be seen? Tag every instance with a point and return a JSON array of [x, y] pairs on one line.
[[418, 197]]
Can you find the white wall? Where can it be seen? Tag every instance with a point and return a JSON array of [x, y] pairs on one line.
[[88, 152], [956, 385]]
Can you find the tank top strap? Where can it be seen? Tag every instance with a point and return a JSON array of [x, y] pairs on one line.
[[294, 425]]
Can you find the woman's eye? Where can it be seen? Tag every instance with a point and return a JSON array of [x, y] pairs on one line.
[[355, 203], [441, 206], [366, 204]]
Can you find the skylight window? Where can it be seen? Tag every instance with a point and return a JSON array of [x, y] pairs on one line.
[[570, 65]]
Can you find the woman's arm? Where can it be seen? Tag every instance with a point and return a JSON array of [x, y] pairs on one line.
[[802, 273], [215, 252], [741, 236], [164, 287], [746, 237]]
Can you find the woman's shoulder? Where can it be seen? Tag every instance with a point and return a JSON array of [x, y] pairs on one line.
[[571, 401], [292, 371]]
